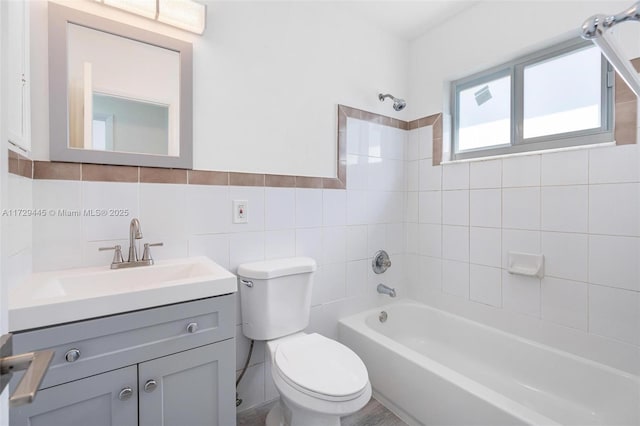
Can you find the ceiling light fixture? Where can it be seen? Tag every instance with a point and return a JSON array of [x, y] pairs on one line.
[[188, 15]]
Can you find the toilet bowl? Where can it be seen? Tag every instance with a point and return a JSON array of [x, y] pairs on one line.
[[319, 380]]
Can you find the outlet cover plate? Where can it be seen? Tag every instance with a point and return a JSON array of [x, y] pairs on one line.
[[240, 211]]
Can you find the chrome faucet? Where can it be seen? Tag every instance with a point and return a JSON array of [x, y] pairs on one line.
[[383, 289], [135, 233]]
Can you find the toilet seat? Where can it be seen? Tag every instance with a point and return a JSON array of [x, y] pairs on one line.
[[321, 368]]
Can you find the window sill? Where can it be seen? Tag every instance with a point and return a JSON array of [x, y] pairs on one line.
[[529, 153]]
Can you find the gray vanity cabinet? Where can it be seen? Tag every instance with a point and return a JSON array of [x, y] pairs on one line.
[[167, 366], [94, 401], [185, 388]]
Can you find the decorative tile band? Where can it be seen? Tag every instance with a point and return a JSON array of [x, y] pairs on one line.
[[625, 133], [20, 165], [626, 110]]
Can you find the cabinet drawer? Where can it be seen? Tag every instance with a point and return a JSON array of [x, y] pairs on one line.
[[116, 341]]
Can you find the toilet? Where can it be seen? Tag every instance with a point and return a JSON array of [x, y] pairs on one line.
[[319, 380]]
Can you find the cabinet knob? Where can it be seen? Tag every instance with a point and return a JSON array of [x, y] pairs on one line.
[[192, 327], [150, 386], [72, 355], [125, 394]]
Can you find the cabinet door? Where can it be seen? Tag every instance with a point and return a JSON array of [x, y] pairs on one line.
[[94, 401], [190, 388], [18, 111]]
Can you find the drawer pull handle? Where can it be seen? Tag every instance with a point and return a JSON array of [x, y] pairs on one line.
[[150, 386], [192, 327], [72, 355], [125, 394]]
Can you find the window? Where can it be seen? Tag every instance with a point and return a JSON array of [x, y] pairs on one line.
[[558, 97]]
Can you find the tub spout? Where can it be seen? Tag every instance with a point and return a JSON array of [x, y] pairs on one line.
[[383, 289]]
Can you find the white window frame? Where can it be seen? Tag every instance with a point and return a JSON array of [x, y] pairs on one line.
[[515, 69]]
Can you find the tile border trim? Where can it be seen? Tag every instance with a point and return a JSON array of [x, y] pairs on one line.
[[57, 170], [625, 130]]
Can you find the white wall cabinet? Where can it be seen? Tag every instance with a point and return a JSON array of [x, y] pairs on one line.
[[149, 368], [18, 90]]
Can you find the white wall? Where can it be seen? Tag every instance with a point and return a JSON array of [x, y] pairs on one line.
[[341, 229], [3, 179], [579, 208], [17, 230], [267, 79], [493, 32]]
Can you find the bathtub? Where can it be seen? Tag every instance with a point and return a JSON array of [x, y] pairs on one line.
[[435, 368]]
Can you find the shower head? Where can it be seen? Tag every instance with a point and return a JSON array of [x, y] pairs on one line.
[[398, 104]]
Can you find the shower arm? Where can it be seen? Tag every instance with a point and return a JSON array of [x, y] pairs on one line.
[[595, 29]]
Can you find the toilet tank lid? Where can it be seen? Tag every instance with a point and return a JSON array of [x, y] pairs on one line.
[[277, 268]]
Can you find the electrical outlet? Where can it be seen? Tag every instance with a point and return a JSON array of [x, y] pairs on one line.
[[240, 211]]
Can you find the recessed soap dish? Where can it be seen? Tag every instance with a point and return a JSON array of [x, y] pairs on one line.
[[528, 264]]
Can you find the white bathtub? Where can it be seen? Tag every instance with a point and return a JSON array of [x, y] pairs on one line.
[[435, 368]]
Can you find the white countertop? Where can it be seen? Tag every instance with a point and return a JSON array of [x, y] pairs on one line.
[[57, 297]]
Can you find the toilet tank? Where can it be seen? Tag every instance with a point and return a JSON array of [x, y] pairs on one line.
[[275, 296]]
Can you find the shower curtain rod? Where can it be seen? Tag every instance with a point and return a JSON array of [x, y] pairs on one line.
[[595, 29]]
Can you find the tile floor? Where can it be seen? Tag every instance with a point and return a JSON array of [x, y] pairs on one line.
[[373, 414]]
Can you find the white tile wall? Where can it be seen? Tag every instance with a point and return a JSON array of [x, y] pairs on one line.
[[18, 231], [455, 278], [109, 195], [520, 241], [279, 208], [521, 171], [566, 255], [565, 302], [57, 240], [614, 313], [279, 244], [485, 246], [579, 208], [455, 207], [340, 229], [485, 285], [430, 240], [614, 164], [308, 208], [357, 242], [521, 294], [334, 207], [429, 207], [455, 176], [485, 174], [485, 207], [430, 176], [565, 208], [565, 168], [615, 261], [208, 209], [613, 209], [521, 208], [455, 243]]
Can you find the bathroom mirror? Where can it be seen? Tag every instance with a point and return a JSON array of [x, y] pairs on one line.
[[117, 94]]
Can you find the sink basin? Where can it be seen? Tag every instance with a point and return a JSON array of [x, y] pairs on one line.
[[71, 295]]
